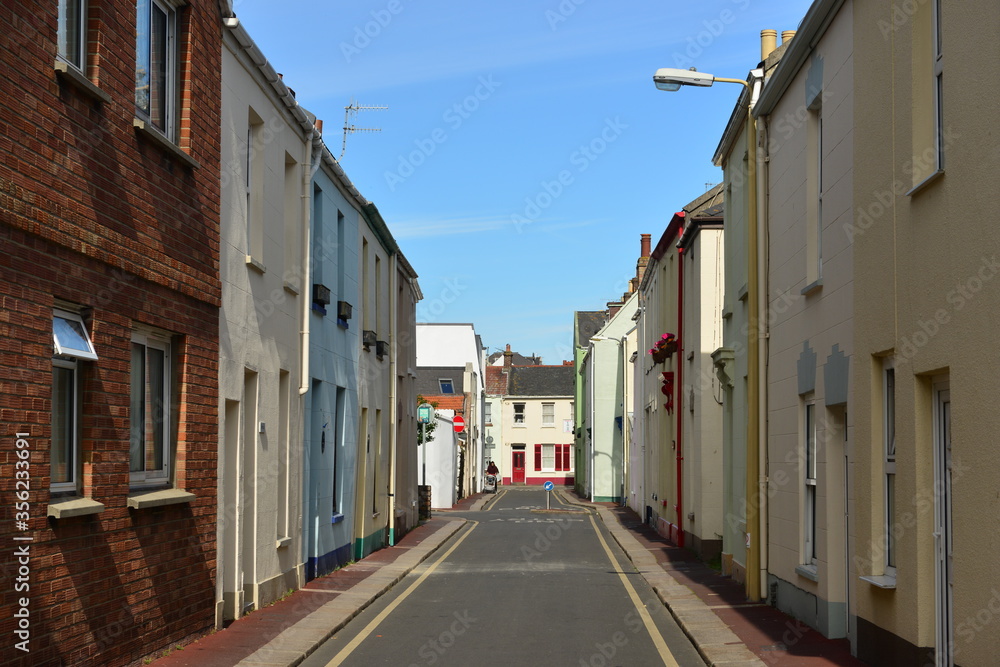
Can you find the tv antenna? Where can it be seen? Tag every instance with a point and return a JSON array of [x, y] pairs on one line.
[[349, 111]]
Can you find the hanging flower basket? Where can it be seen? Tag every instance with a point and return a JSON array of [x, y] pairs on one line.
[[664, 348]]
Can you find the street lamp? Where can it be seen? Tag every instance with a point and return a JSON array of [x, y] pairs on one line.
[[671, 79]]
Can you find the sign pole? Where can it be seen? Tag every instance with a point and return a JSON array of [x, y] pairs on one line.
[[423, 444]]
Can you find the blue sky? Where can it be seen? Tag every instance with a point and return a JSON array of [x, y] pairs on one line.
[[525, 148]]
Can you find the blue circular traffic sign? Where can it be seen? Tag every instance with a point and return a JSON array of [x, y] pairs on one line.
[[548, 486]]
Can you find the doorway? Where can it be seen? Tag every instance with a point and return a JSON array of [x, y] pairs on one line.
[[517, 467], [944, 622]]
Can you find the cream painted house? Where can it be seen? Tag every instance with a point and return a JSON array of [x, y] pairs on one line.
[[926, 315], [805, 121], [267, 149]]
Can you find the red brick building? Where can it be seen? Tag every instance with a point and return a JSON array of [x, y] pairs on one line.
[[109, 320]]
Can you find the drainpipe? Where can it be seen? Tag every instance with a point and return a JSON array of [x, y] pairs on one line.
[[678, 385], [314, 154], [393, 354], [753, 560], [762, 342]]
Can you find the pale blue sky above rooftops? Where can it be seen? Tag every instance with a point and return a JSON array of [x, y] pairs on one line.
[[525, 148]]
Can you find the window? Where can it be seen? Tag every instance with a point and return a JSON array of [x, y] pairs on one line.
[[447, 386], [519, 414], [155, 64], [255, 186], [938, 85], [889, 462], [71, 344], [488, 413], [814, 186], [548, 414], [72, 37], [150, 415], [809, 445], [553, 458]]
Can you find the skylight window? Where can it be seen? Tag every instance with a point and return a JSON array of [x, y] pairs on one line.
[[70, 336], [447, 386]]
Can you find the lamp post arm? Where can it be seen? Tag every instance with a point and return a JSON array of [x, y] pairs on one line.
[[719, 78]]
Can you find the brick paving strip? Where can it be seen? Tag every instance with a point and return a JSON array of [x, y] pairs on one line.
[[715, 641]]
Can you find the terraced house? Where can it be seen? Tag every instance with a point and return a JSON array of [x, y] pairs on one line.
[[109, 280]]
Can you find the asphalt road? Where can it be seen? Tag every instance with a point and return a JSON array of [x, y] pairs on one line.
[[517, 586]]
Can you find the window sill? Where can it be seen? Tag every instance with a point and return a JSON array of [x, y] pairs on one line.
[[141, 501], [336, 518], [283, 542], [69, 73], [919, 187], [74, 507], [812, 287], [158, 138], [255, 264], [881, 581], [518, 426], [807, 571], [291, 288]]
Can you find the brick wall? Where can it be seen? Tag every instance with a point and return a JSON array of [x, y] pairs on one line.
[[94, 213]]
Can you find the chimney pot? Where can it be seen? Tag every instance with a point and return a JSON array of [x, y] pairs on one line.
[[768, 42], [786, 36], [644, 245]]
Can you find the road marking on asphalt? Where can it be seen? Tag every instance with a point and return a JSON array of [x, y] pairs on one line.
[[647, 620], [354, 643], [496, 497]]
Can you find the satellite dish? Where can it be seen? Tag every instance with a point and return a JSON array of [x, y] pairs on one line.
[[489, 440]]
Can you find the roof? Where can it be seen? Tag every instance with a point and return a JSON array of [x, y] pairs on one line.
[[542, 381], [456, 403], [428, 376], [588, 323], [496, 381]]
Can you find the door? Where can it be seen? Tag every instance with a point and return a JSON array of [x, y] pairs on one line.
[[944, 624], [517, 467]]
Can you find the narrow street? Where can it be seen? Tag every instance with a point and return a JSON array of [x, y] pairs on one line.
[[517, 585]]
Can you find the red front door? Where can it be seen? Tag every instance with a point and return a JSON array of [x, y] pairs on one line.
[[518, 467]]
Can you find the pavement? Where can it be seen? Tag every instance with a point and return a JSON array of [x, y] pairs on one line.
[[711, 609]]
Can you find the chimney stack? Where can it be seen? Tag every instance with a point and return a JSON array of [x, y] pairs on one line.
[[643, 261], [768, 42], [507, 356], [319, 126]]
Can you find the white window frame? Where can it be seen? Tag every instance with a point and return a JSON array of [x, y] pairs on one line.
[[167, 126], [809, 461], [938, 57], [549, 420], [156, 476], [548, 455], [487, 412], [519, 423], [78, 29], [72, 429], [67, 357], [889, 463]]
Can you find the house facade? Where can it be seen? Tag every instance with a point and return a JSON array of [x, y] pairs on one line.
[[608, 393], [806, 170], [586, 323], [267, 150], [537, 432], [925, 321], [702, 274], [110, 326]]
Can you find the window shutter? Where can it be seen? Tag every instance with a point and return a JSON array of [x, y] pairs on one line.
[[566, 459], [558, 457], [538, 457]]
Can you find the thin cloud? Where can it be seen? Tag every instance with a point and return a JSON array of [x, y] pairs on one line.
[[446, 227]]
